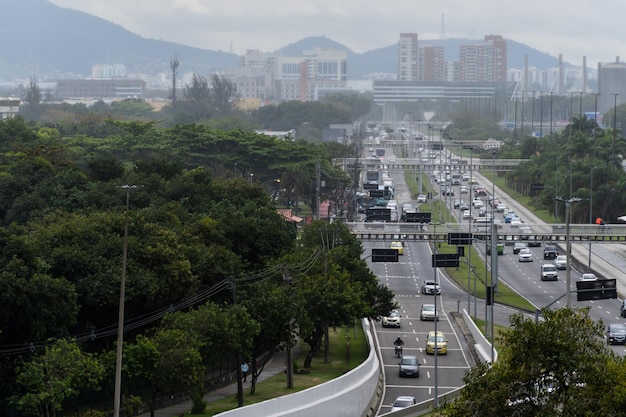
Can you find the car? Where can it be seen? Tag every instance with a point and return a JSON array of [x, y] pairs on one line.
[[549, 272], [500, 208], [457, 203], [480, 192], [550, 252], [509, 240], [397, 245], [409, 366], [622, 309], [499, 248], [439, 340], [588, 277], [465, 177], [616, 334], [392, 319], [428, 312], [534, 242], [467, 215], [463, 190], [464, 206], [518, 246], [421, 198], [515, 222], [560, 262], [448, 191], [430, 286], [478, 203], [525, 255], [401, 402]]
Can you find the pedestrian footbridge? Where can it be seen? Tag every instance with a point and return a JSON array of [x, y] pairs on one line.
[[579, 233]]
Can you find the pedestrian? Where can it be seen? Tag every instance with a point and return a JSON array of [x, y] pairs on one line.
[[244, 370]]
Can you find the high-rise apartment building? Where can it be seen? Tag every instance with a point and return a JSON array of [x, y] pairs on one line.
[[485, 61], [431, 63], [408, 57], [273, 77], [302, 78], [611, 85]]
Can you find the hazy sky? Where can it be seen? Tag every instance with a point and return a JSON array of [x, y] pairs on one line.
[[573, 28]]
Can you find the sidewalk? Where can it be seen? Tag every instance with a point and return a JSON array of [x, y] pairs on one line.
[[274, 367]]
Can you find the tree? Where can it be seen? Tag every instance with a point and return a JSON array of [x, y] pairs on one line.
[[33, 98], [223, 95], [559, 366], [49, 380]]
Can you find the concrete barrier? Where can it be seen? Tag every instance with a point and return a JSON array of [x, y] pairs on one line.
[[354, 394]]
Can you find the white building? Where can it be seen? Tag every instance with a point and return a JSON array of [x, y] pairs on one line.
[[9, 107]]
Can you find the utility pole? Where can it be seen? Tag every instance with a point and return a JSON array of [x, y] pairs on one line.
[[238, 354], [120, 322]]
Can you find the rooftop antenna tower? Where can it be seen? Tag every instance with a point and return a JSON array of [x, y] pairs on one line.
[[174, 64], [442, 34]]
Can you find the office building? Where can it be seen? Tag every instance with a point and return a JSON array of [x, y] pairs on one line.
[[408, 57]]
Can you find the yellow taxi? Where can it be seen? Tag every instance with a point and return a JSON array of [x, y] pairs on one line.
[[442, 343], [397, 245]]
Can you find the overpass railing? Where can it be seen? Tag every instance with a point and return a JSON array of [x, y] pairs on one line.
[[613, 233]]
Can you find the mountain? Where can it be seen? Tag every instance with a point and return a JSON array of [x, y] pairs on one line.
[[42, 39], [38, 38]]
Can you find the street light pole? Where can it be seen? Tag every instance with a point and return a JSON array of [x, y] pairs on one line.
[[532, 116], [434, 224], [541, 114], [120, 321], [614, 129], [568, 266], [595, 125]]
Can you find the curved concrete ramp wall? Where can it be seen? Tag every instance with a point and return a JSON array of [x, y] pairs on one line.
[[351, 394]]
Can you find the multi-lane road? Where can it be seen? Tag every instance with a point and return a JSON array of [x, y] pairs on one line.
[[444, 373]]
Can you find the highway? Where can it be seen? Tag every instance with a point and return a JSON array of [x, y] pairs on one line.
[[404, 279]]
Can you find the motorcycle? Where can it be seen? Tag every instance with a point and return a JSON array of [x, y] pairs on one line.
[[398, 350]]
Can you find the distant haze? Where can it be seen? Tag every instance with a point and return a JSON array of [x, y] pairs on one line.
[[574, 29]]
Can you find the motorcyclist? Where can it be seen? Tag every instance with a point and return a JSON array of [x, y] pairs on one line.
[[398, 343]]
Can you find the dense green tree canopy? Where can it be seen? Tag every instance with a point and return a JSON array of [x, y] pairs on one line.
[[559, 366]]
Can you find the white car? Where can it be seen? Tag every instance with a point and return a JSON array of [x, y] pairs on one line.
[[561, 262], [467, 215], [428, 312], [525, 255], [430, 287], [588, 277], [421, 198], [392, 320], [515, 222], [401, 402]]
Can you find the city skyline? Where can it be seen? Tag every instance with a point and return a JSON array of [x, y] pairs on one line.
[[553, 27]]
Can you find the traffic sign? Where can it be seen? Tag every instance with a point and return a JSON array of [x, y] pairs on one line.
[[384, 255], [600, 289], [417, 217], [459, 238], [445, 260]]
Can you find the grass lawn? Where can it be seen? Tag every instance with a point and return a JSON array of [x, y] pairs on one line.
[[321, 372]]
